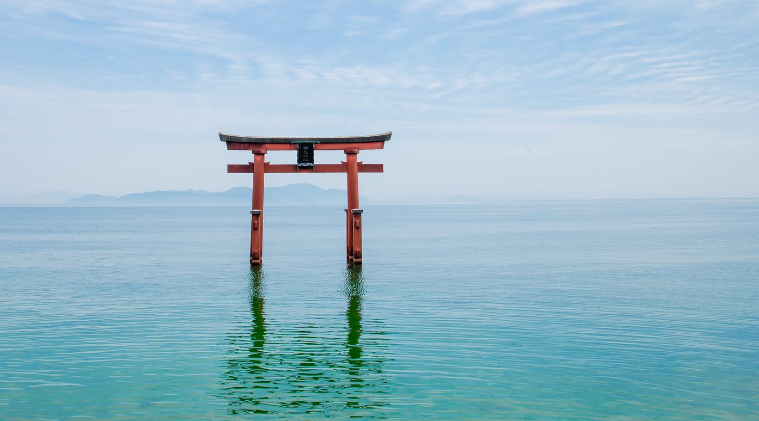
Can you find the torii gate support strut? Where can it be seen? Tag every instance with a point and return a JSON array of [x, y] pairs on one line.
[[306, 146]]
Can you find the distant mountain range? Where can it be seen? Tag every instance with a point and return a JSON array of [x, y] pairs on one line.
[[292, 194], [55, 197]]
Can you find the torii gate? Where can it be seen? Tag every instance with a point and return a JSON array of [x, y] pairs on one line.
[[305, 146]]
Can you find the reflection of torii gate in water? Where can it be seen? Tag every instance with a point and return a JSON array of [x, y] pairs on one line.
[[280, 368], [305, 146]]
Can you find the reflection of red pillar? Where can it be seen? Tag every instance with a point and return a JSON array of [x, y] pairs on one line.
[[257, 220], [351, 156]]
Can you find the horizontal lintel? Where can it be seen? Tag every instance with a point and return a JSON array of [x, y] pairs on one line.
[[264, 147], [382, 137], [292, 168]]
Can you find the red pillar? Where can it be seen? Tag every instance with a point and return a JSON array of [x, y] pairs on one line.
[[348, 231], [357, 252], [255, 237], [257, 214], [351, 156]]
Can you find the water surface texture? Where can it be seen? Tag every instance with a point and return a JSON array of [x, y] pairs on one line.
[[628, 310]]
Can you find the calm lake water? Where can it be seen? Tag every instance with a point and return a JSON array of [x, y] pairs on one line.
[[599, 310]]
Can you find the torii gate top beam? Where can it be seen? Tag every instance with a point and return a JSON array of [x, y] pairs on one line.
[[265, 143]]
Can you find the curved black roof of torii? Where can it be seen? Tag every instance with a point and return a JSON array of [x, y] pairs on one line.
[[383, 137]]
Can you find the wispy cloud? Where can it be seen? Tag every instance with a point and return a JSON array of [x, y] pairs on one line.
[[535, 151], [532, 8], [466, 7], [394, 34]]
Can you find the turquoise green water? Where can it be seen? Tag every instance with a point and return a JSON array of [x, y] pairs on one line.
[[623, 310]]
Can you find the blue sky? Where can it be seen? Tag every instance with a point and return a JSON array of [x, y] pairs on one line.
[[509, 99]]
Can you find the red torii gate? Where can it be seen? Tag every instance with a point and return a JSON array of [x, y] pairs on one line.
[[305, 146]]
